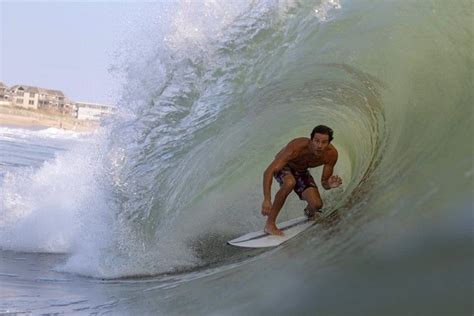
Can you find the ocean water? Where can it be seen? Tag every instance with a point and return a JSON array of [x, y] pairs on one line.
[[133, 219]]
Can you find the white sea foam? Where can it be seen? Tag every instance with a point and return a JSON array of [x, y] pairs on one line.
[[47, 133], [41, 208]]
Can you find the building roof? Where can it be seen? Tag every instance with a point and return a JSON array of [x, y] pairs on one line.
[[56, 92], [26, 88], [2, 85], [93, 105]]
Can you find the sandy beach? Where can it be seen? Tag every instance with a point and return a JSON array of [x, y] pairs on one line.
[[27, 118]]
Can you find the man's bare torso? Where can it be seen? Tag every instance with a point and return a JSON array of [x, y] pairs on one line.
[[304, 158]]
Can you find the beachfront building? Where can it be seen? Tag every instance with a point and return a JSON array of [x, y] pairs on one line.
[[39, 98], [24, 96], [92, 111], [4, 94], [35, 98]]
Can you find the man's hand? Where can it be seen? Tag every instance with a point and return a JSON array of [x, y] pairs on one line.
[[266, 207], [334, 181]]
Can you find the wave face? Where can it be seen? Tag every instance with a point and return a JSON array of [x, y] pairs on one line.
[[213, 91]]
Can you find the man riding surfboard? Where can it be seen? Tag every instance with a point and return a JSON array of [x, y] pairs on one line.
[[290, 169]]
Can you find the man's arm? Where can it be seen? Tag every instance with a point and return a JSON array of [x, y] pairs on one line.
[[287, 154], [328, 180]]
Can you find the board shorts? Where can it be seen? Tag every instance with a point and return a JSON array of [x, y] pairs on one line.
[[303, 179]]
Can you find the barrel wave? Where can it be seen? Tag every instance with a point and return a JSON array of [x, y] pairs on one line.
[[213, 92]]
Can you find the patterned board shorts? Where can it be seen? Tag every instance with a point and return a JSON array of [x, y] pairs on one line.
[[303, 179]]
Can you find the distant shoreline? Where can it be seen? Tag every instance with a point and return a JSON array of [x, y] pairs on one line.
[[14, 116]]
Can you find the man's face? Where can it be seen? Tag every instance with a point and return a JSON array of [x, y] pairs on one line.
[[320, 142]]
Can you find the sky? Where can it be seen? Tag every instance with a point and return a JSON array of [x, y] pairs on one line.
[[64, 45]]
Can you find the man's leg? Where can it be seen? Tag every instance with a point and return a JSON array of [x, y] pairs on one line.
[[288, 185], [311, 195]]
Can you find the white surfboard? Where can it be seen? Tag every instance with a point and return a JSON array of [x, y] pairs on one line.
[[262, 239]]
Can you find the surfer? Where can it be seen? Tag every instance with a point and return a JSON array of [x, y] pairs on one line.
[[290, 169]]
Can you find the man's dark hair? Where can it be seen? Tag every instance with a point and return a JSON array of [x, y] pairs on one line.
[[322, 129]]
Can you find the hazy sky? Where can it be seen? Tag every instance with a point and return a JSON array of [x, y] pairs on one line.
[[64, 45]]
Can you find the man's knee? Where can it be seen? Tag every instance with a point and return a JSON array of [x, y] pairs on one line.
[[289, 184]]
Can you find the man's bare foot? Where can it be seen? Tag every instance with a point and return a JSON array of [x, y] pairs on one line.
[[273, 230], [312, 215], [315, 217]]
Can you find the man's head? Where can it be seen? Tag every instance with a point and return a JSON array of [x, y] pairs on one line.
[[321, 136]]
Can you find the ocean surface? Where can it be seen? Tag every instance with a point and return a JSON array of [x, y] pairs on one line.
[[133, 219]]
